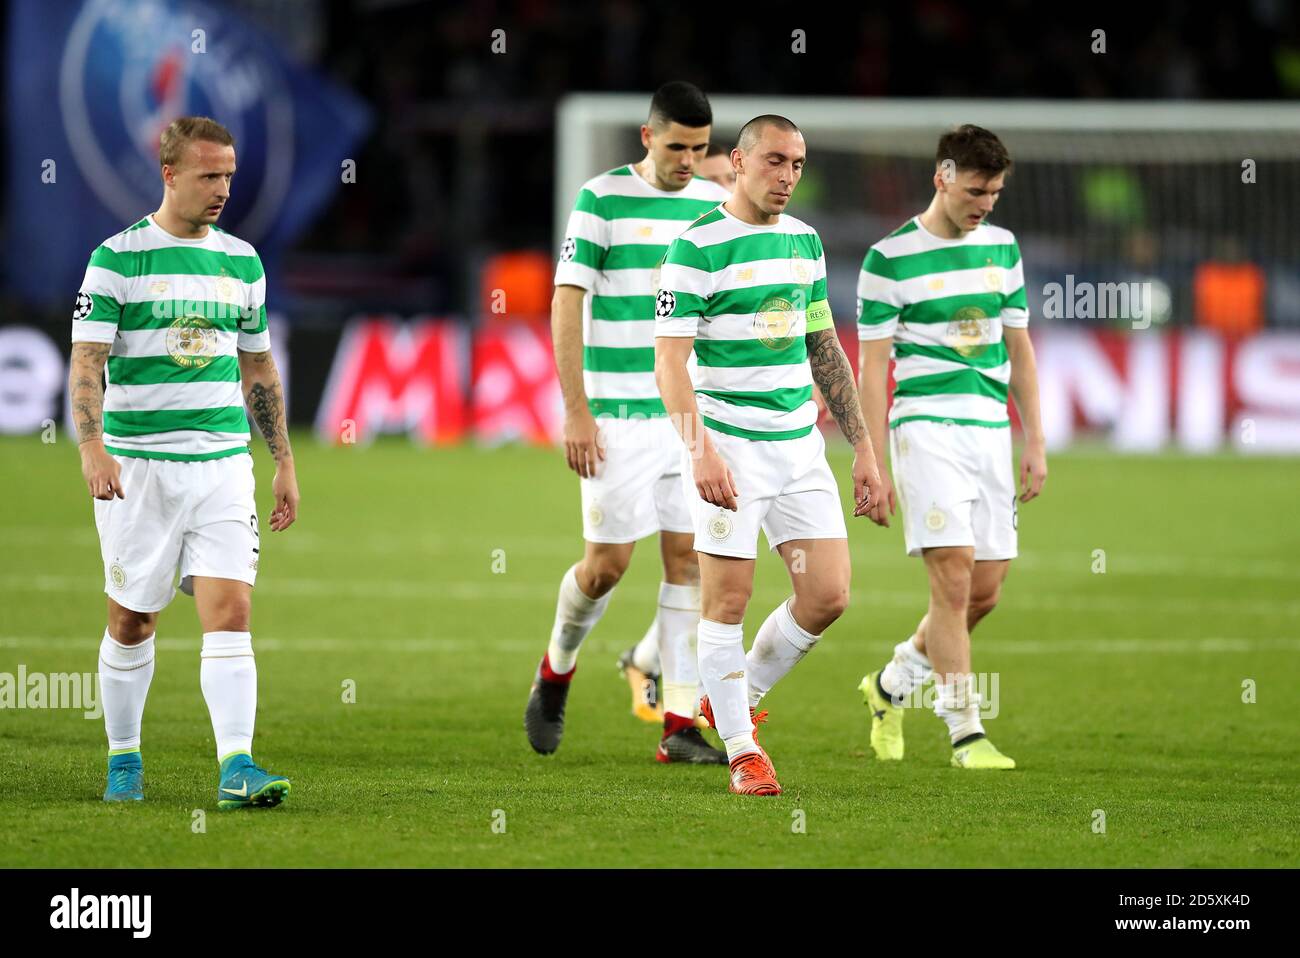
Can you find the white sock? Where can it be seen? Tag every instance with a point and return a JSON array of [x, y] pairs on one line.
[[646, 654], [576, 614], [906, 671], [679, 619], [125, 672], [228, 677], [958, 704], [723, 668], [778, 647]]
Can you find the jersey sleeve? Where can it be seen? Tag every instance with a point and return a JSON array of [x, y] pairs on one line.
[[685, 285], [880, 298], [99, 302], [1015, 307], [818, 316], [586, 243], [254, 336]]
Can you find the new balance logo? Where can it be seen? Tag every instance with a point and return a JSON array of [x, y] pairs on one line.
[[734, 675]]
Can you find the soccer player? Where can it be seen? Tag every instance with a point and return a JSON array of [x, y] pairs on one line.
[[946, 292], [175, 308], [744, 290], [616, 436]]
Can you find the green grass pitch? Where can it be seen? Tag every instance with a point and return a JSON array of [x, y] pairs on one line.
[[1120, 692]]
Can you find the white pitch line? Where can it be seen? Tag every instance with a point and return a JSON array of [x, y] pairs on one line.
[[841, 644], [434, 591], [1118, 561]]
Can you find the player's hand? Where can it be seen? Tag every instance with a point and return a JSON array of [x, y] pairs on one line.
[[1033, 471], [867, 488], [285, 488], [714, 481], [582, 448], [103, 473], [883, 503]]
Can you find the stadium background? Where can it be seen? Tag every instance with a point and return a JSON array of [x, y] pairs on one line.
[[396, 174]]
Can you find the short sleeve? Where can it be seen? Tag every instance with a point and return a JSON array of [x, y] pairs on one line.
[[98, 308], [1015, 307], [685, 284], [254, 336], [586, 243], [879, 298]]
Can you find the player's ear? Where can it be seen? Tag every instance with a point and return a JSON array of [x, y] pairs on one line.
[[737, 161], [645, 135]]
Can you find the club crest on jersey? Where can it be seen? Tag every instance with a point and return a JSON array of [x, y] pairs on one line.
[[83, 306], [226, 287], [802, 274], [969, 331], [191, 342], [935, 520], [118, 575], [568, 249], [665, 303], [720, 526], [772, 323], [595, 515]]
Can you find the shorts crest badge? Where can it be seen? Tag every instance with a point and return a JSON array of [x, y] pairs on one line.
[[720, 526]]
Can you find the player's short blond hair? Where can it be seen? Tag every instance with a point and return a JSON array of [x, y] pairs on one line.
[[185, 130]]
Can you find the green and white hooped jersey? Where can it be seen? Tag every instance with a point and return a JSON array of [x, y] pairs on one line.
[[748, 294], [945, 303], [176, 311], [618, 232]]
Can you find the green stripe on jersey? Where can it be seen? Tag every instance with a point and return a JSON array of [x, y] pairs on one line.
[[151, 370], [969, 382], [605, 359], [176, 456], [143, 422], [184, 260]]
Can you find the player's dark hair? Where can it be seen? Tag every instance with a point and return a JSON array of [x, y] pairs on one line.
[[972, 147], [751, 131], [186, 129], [680, 102], [717, 149]]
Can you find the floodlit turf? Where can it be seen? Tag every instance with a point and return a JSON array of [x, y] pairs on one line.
[[425, 580]]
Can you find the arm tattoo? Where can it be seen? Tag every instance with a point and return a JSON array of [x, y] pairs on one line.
[[262, 392], [86, 385], [834, 377]]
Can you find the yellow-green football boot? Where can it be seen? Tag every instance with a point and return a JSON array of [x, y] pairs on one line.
[[886, 720], [980, 753]]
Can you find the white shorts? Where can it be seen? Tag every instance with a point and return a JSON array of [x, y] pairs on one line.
[[955, 486], [786, 489], [636, 491], [198, 517]]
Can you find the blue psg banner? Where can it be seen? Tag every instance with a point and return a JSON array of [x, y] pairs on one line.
[[91, 87]]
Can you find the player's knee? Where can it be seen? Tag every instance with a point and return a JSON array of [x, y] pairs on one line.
[[604, 570], [830, 604], [726, 605], [950, 588], [982, 603], [129, 627], [233, 615]]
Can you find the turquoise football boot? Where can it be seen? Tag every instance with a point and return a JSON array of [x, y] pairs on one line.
[[125, 777], [245, 785]]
